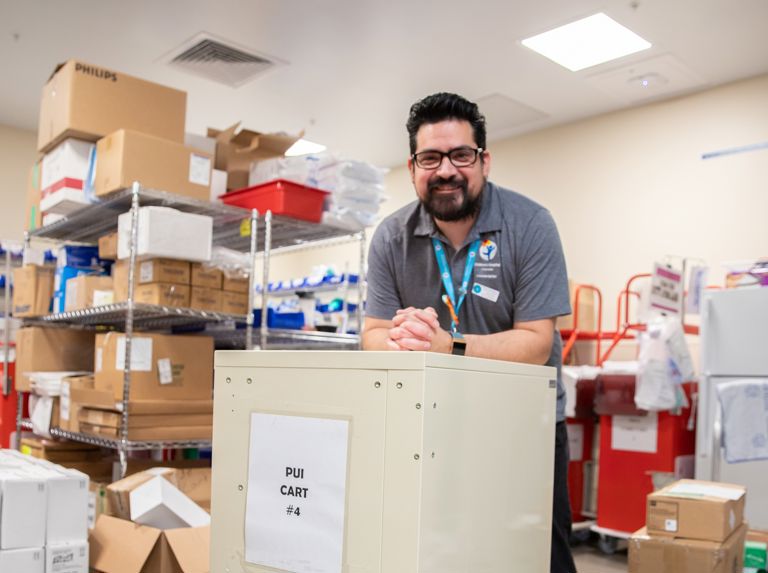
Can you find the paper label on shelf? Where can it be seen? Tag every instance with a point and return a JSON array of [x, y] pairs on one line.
[[141, 354], [245, 228], [64, 401], [297, 470], [146, 272], [576, 442], [199, 169], [635, 433], [165, 371]]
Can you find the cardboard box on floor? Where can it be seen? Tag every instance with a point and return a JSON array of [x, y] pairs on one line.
[[236, 150], [128, 156], [163, 367], [88, 102], [694, 509], [32, 290], [40, 349], [650, 554], [587, 310]]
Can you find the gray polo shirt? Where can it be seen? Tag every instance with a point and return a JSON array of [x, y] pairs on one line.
[[519, 275]]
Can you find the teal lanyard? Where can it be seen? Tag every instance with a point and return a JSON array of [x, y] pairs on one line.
[[447, 277]]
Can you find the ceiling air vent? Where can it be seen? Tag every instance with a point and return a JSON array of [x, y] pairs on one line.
[[219, 61]]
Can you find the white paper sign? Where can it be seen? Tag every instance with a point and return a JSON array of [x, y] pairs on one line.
[[635, 433], [141, 354], [146, 270], [199, 169], [666, 290], [297, 470]]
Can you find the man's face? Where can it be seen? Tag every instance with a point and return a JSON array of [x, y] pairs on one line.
[[449, 193]]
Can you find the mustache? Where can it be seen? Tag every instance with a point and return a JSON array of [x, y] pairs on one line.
[[455, 180]]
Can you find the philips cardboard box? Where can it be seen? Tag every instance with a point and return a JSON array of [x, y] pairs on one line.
[[650, 554], [694, 509], [167, 271], [207, 277], [127, 156], [86, 291], [234, 302], [163, 367], [32, 290], [88, 102], [236, 150], [235, 283], [41, 349], [206, 299], [167, 233]]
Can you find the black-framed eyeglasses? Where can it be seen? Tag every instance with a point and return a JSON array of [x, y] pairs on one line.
[[459, 157]]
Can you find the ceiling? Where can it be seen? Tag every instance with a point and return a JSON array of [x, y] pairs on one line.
[[350, 69]]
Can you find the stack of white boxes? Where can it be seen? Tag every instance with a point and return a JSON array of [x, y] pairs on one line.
[[43, 516]]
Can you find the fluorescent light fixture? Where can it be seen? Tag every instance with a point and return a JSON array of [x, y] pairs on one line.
[[587, 42], [304, 147]]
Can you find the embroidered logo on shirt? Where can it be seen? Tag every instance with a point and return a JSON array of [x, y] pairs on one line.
[[488, 250]]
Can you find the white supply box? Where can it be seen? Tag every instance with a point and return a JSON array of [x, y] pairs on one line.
[[64, 172], [27, 560], [67, 557], [23, 500], [383, 462], [167, 233]]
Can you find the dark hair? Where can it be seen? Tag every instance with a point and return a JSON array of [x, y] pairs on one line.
[[444, 106]]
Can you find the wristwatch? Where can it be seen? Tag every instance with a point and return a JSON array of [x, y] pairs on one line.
[[459, 346]]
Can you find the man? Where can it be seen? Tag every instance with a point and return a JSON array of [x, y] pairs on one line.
[[470, 268]]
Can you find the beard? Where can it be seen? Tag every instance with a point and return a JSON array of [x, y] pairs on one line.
[[444, 207]]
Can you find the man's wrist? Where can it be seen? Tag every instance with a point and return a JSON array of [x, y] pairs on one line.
[[458, 344]]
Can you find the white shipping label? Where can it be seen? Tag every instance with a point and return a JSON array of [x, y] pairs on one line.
[[199, 169], [164, 370], [146, 272], [99, 360], [103, 297], [635, 433], [670, 525], [141, 354], [296, 495], [64, 401], [576, 442]]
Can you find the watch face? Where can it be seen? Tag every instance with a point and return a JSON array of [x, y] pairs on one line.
[[459, 346]]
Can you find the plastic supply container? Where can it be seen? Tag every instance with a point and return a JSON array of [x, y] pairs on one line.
[[282, 197]]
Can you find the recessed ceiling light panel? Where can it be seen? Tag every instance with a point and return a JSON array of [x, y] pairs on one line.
[[587, 42]]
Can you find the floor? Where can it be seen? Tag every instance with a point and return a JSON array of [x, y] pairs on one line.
[[589, 559]]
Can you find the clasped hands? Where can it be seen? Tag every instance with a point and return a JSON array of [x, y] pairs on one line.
[[418, 329]]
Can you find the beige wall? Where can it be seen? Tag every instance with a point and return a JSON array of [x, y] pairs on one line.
[[17, 154], [629, 187]]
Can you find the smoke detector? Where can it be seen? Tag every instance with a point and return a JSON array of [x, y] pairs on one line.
[[220, 60]]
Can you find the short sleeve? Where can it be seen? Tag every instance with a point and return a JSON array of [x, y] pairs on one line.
[[541, 288], [382, 300]]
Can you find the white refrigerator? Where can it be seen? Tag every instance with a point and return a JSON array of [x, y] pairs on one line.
[[734, 345]]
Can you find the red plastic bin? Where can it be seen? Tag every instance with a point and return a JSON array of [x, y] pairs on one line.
[[282, 198]]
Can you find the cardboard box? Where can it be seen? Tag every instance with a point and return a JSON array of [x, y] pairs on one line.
[[128, 156], [195, 483], [121, 546], [59, 451], [234, 303], [76, 396], [32, 290], [650, 554], [110, 417], [89, 102], [144, 434], [208, 277], [33, 217], [236, 150], [86, 291], [756, 551], [158, 503], [28, 560], [97, 502], [108, 247], [163, 294], [41, 349], [205, 299], [69, 557], [235, 283], [64, 173], [149, 271], [694, 509], [587, 310], [163, 367], [167, 233]]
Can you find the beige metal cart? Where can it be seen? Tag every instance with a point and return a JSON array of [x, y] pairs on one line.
[[381, 462]]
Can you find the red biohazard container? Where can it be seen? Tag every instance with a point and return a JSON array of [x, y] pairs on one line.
[[636, 449], [282, 197]]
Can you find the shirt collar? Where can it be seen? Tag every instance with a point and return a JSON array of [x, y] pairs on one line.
[[488, 220]]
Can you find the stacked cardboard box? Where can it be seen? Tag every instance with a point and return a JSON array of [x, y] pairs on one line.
[[32, 290], [691, 527], [44, 516], [41, 349], [159, 518], [234, 297], [156, 281]]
